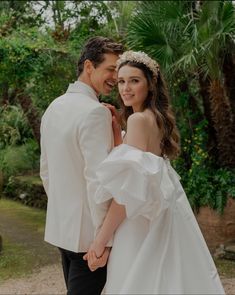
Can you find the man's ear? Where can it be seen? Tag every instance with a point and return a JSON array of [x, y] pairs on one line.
[[88, 66]]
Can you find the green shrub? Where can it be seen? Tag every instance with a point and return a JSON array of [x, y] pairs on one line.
[[14, 128], [205, 184], [19, 159], [27, 189]]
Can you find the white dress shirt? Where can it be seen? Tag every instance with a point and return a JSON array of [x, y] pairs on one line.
[[76, 135]]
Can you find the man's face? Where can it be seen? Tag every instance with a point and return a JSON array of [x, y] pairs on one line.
[[104, 77]]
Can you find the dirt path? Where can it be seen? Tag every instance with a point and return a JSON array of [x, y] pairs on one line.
[[49, 281]]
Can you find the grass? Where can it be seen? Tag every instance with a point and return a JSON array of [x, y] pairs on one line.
[[30, 216], [226, 268], [15, 261], [31, 179]]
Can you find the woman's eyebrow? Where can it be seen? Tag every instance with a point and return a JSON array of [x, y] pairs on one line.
[[131, 77]]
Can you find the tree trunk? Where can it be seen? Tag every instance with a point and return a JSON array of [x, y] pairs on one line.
[[31, 113], [212, 141], [223, 123], [192, 102], [5, 97], [229, 79]]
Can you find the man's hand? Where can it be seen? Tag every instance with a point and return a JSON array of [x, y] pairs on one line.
[[94, 262]]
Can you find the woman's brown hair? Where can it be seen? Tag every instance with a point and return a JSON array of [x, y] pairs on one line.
[[158, 101]]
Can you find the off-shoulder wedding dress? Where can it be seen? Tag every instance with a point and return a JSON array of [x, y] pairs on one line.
[[159, 248]]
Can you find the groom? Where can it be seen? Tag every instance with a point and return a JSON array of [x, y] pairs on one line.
[[76, 135]]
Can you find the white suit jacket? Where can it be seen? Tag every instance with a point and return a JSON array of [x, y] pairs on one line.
[[76, 135]]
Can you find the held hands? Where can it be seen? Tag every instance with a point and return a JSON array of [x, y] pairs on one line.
[[95, 262], [116, 120]]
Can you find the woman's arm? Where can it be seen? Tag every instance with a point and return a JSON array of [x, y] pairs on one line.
[[116, 214], [98, 254]]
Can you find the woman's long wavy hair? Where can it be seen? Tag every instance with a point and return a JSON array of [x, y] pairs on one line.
[[159, 102]]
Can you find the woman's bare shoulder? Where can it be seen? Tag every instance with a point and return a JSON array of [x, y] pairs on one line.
[[137, 119], [136, 131]]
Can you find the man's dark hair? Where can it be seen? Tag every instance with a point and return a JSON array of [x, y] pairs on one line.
[[94, 50]]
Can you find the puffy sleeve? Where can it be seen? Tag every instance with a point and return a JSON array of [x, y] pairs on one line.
[[139, 180]]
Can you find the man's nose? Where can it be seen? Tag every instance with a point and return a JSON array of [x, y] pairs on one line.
[[115, 76]]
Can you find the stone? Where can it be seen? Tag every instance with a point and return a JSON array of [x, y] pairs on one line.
[[229, 251]]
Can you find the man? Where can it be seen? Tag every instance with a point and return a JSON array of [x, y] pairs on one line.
[[76, 135]]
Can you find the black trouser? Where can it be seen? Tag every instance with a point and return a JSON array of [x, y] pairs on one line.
[[78, 277]]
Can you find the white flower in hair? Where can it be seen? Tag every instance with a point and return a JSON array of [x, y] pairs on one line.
[[139, 57]]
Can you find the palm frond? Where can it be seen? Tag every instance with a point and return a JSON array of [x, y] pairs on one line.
[[156, 28]]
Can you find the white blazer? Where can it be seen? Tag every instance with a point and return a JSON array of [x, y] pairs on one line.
[[76, 135]]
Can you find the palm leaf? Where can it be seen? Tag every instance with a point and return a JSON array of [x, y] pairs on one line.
[[156, 28]]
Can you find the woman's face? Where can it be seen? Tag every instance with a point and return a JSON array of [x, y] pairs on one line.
[[133, 87]]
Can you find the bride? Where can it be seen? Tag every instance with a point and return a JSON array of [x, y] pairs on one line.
[[158, 247]]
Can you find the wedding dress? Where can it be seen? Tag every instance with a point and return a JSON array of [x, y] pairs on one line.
[[159, 248]]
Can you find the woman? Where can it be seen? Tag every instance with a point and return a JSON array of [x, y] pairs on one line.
[[158, 247]]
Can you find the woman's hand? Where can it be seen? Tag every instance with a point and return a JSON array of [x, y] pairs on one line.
[[113, 111], [117, 132], [116, 120]]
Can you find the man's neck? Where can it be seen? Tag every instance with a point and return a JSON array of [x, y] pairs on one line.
[[86, 80], [82, 78]]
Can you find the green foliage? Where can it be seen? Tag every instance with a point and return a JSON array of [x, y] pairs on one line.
[[26, 189], [14, 128], [19, 159], [19, 152], [157, 28], [51, 80], [209, 186], [205, 184], [25, 53]]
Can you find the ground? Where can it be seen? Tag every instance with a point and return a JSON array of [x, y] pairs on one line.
[[47, 280], [24, 226]]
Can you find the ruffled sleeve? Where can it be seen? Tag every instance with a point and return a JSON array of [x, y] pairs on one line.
[[139, 180]]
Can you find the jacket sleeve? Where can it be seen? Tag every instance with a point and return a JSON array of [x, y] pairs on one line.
[[43, 162], [96, 140]]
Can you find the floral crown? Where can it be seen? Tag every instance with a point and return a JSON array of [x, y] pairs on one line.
[[139, 57]]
